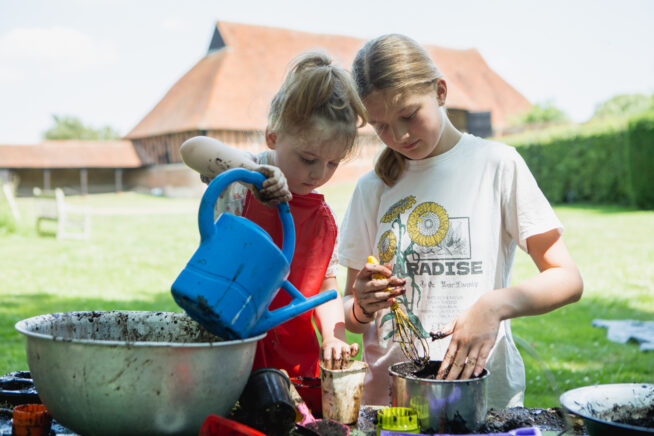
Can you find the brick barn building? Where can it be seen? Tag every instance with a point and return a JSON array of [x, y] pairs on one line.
[[226, 95]]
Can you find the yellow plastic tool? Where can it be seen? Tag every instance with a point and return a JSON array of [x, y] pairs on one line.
[[414, 346]]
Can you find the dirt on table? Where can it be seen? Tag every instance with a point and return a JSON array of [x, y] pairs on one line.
[[504, 420], [500, 421], [327, 427]]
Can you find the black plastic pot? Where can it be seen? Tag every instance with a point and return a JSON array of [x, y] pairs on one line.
[[267, 403], [18, 388]]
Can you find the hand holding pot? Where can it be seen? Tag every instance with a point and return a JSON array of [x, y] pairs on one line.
[[336, 354], [474, 333]]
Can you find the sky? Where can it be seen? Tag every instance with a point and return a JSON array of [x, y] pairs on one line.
[[108, 62]]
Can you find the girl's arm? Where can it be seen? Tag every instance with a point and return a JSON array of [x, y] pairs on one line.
[[335, 352], [365, 295], [475, 330], [210, 157]]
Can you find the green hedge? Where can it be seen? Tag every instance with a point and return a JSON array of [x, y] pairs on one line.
[[641, 160], [608, 162]]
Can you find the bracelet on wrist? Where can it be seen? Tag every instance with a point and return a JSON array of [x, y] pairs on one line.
[[365, 312], [354, 314]]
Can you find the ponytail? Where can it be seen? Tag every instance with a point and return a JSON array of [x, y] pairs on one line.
[[316, 90], [390, 166]]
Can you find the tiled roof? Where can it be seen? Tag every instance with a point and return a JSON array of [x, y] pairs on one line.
[[70, 154], [231, 88]]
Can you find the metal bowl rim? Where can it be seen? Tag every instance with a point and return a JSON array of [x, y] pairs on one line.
[[564, 396], [99, 342], [433, 381]]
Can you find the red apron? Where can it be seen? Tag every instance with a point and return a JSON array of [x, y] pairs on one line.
[[293, 345]]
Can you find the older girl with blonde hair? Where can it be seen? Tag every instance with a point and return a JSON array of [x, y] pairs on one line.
[[444, 211]]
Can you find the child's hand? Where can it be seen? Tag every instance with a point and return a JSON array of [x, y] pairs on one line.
[[274, 189], [373, 294], [474, 333], [335, 354]]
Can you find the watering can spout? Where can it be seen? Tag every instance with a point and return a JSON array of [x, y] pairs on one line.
[[298, 306]]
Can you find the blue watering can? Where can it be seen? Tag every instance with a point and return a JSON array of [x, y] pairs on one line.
[[237, 270]]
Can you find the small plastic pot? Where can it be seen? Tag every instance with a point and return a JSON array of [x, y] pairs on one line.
[[342, 390], [30, 420], [267, 402]]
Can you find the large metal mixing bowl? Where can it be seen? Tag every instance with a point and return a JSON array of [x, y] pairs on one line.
[[122, 372]]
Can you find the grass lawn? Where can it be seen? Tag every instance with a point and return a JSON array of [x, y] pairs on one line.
[[140, 243]]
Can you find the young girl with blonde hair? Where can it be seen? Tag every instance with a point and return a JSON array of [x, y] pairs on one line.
[[444, 212], [312, 126]]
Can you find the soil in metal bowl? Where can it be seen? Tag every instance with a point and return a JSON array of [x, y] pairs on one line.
[[427, 372], [124, 326]]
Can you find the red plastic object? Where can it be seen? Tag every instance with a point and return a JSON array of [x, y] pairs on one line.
[[310, 391], [30, 420], [215, 425]]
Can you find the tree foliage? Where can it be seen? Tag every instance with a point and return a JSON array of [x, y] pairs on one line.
[[541, 113], [69, 127], [624, 105]]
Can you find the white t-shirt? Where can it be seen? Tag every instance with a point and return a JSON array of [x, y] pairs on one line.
[[232, 200], [450, 227]]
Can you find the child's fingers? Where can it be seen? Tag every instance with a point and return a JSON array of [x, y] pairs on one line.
[[336, 355], [279, 195], [470, 364], [370, 306], [384, 294], [344, 357], [443, 332], [482, 358], [278, 191], [327, 357], [381, 277], [272, 186], [274, 200], [376, 294], [387, 294], [274, 197], [444, 370], [373, 268], [396, 281], [386, 285]]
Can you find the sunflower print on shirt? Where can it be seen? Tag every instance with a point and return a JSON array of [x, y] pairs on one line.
[[426, 226]]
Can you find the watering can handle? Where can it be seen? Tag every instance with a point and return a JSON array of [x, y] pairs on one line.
[[207, 224]]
